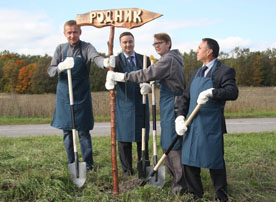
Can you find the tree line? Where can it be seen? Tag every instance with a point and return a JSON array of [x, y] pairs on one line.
[[28, 74]]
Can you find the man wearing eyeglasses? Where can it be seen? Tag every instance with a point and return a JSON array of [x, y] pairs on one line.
[[169, 70]]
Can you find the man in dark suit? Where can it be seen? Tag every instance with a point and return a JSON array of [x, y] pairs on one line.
[[129, 108], [211, 86]]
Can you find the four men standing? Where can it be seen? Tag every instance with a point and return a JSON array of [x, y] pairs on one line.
[[210, 86]]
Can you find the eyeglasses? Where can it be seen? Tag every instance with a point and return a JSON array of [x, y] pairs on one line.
[[158, 43]]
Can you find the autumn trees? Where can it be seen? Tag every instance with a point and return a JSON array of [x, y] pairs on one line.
[[28, 74]]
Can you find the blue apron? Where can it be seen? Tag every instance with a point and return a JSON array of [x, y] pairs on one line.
[[82, 97], [129, 108], [202, 143], [167, 117]]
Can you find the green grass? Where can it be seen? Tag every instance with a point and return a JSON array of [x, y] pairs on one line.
[[250, 114], [35, 169], [16, 120]]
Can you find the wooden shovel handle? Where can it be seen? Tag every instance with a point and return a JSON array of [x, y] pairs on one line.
[[144, 110], [194, 112]]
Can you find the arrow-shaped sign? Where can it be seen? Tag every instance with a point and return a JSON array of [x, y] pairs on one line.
[[125, 17]]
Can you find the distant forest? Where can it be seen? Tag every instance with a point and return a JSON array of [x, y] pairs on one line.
[[28, 74]]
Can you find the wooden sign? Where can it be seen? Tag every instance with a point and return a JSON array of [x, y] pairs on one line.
[[126, 17]]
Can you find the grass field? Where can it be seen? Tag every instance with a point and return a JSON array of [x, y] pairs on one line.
[[35, 169], [14, 108]]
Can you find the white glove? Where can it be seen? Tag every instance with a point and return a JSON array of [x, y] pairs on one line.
[[115, 76], [68, 63], [109, 61], [110, 84], [145, 88], [204, 96], [180, 126]]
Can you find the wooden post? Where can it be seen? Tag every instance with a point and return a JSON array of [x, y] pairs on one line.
[[113, 120], [133, 17]]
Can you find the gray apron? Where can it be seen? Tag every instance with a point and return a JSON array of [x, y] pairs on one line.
[[167, 117], [82, 98], [129, 108], [202, 143]]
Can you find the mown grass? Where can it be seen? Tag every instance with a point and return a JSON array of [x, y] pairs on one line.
[[26, 120], [252, 102], [35, 169]]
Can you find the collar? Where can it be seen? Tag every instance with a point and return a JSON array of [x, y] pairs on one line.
[[210, 64], [77, 44], [133, 54]]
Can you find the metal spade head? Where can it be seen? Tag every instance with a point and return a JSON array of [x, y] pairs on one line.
[[158, 179], [78, 175]]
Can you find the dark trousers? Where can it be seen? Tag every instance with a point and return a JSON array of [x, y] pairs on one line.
[[175, 170], [125, 155], [85, 145], [218, 176]]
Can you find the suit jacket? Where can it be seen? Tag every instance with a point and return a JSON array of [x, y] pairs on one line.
[[224, 81]]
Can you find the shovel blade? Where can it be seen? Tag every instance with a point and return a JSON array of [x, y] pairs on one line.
[[80, 178], [159, 180], [142, 168]]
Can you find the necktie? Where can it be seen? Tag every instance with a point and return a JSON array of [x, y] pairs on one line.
[[130, 59], [202, 71]]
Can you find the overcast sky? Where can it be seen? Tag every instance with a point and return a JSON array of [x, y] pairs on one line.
[[35, 27]]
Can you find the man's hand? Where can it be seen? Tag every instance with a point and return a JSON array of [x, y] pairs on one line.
[[115, 76], [110, 84], [68, 63], [109, 61], [145, 88], [180, 126], [112, 77], [204, 96]]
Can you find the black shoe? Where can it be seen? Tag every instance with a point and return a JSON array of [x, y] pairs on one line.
[[221, 200], [192, 198], [90, 168]]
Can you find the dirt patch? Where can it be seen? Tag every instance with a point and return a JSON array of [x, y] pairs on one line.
[[129, 184]]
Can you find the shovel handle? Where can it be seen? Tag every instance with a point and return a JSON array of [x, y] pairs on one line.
[[71, 99], [192, 115], [194, 112], [154, 119], [144, 109]]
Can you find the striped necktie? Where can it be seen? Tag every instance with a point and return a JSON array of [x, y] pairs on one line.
[[130, 60]]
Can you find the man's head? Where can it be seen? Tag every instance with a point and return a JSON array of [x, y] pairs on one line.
[[72, 32], [127, 43], [162, 43], [207, 50]]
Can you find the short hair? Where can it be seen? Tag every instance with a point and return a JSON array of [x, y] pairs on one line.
[[71, 23], [212, 44], [126, 34], [164, 36]]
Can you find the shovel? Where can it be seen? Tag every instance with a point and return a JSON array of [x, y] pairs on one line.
[[143, 163], [77, 170], [159, 177], [170, 147]]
